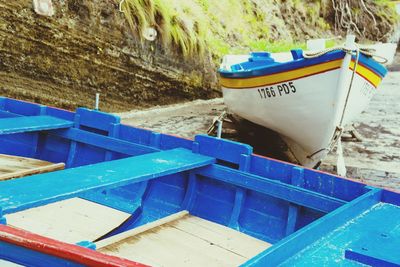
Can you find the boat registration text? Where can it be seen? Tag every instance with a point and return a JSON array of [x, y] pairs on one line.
[[275, 91]]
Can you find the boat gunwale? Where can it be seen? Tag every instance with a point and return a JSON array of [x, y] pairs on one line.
[[297, 64], [70, 252], [273, 83]]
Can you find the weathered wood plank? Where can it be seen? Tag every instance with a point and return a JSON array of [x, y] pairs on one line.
[[187, 241], [72, 220], [138, 230], [15, 167], [31, 124], [220, 235]]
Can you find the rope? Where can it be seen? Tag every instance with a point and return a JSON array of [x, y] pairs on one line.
[[370, 52], [339, 128], [315, 54], [351, 84]]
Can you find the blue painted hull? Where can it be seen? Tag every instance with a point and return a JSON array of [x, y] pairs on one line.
[[151, 175]]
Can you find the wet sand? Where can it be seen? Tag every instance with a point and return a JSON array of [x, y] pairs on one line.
[[375, 160]]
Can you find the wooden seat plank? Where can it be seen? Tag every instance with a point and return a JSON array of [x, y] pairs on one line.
[[72, 220], [14, 167], [32, 123], [230, 239], [138, 230], [15, 195], [185, 241]]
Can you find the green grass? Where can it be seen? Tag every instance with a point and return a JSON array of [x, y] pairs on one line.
[[176, 23], [264, 45], [221, 27], [192, 26]]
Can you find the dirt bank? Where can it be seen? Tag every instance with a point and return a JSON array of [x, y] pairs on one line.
[[86, 48], [375, 160]]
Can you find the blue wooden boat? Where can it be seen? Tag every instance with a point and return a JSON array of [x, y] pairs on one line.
[[132, 197]]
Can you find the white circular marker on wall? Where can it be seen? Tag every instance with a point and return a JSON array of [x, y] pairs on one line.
[[150, 34], [43, 7]]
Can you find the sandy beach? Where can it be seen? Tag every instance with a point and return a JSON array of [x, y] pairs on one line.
[[375, 160]]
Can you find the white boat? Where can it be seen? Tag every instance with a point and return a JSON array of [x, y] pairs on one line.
[[308, 101]]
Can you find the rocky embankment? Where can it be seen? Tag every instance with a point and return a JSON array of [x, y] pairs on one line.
[[87, 47]]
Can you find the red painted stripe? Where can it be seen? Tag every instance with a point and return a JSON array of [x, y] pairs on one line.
[[74, 253]]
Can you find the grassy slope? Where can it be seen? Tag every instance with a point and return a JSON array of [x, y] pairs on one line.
[[232, 26]]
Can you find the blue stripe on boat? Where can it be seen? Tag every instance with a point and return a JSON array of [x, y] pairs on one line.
[[257, 68]]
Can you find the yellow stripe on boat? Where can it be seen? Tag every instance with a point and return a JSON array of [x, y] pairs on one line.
[[270, 79], [238, 83], [367, 74]]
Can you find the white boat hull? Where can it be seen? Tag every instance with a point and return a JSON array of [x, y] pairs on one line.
[[304, 111]]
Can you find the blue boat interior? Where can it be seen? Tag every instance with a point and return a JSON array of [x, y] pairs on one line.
[[309, 217]]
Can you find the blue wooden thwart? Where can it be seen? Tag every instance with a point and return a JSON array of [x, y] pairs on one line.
[[41, 189], [32, 124], [102, 141]]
